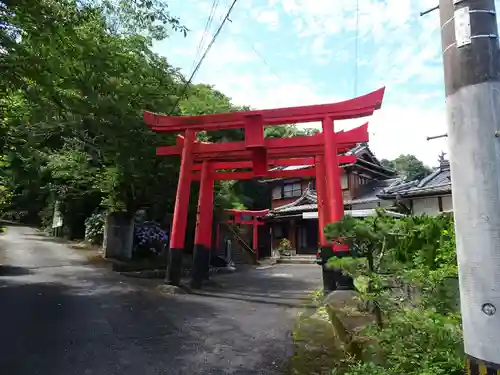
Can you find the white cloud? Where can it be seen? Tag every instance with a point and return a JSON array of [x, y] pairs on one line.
[[394, 43], [375, 17], [320, 52], [403, 52], [263, 90], [397, 130], [269, 18], [394, 130]]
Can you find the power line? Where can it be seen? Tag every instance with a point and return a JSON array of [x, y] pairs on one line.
[[184, 89], [252, 45], [356, 47], [205, 32], [264, 61]]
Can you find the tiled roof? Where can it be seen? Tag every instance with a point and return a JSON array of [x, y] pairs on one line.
[[291, 168], [360, 148], [370, 192], [309, 199], [307, 202], [438, 182]]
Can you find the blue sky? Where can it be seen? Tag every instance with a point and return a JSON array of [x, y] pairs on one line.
[[279, 53]]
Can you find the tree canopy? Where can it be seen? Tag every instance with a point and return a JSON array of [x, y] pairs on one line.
[[77, 77], [408, 166], [73, 101]]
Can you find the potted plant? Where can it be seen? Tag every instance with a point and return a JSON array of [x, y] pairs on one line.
[[285, 247]]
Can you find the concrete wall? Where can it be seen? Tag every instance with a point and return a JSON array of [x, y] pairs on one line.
[[431, 205], [118, 236], [365, 206], [447, 203], [428, 206], [386, 203]]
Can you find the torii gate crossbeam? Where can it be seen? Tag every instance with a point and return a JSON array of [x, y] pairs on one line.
[[260, 154]]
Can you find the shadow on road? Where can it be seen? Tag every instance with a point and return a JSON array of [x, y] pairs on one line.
[[7, 270], [68, 317], [56, 329], [39, 236], [277, 301], [283, 286]]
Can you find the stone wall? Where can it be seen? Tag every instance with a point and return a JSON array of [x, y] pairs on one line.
[[118, 236]]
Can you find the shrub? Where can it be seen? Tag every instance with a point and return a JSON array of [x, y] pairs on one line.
[[285, 247], [414, 341], [149, 238], [94, 228], [405, 271]]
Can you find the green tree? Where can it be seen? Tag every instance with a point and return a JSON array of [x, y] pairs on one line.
[[408, 166], [78, 76], [286, 131], [405, 271], [5, 194], [75, 93]]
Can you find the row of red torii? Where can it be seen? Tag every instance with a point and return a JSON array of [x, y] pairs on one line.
[[257, 157]]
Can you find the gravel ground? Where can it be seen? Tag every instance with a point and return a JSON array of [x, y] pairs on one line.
[[61, 316]]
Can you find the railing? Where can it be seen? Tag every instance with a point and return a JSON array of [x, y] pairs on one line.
[[243, 244]]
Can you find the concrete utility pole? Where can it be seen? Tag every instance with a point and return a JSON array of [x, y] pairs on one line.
[[469, 36]]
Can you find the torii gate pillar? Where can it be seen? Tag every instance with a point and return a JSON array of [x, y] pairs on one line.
[[203, 236], [176, 251]]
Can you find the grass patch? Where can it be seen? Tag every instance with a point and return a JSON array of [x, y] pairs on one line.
[[320, 347], [318, 350]]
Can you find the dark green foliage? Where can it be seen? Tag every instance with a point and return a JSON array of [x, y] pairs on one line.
[[74, 89], [408, 166], [415, 341], [74, 103], [406, 273]]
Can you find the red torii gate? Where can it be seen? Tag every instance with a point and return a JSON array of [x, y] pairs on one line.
[[259, 154], [254, 222]]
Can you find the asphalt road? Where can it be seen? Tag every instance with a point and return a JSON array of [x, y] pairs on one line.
[[61, 316]]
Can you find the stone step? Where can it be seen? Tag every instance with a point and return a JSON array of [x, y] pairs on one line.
[[298, 259]]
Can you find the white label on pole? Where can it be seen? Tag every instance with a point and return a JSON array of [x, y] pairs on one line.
[[462, 27]]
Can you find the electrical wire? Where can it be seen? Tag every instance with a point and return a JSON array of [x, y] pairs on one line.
[[214, 38], [201, 43], [259, 55], [356, 47]]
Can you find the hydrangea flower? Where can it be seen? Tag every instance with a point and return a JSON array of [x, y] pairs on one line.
[[149, 235]]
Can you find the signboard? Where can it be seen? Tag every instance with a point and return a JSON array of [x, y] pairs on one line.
[[353, 213], [57, 220], [309, 215], [462, 27]]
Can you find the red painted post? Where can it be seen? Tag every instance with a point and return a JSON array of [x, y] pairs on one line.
[[322, 204], [331, 277], [203, 236], [179, 222], [334, 189]]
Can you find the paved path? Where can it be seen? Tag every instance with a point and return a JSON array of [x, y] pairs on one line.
[[61, 316]]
